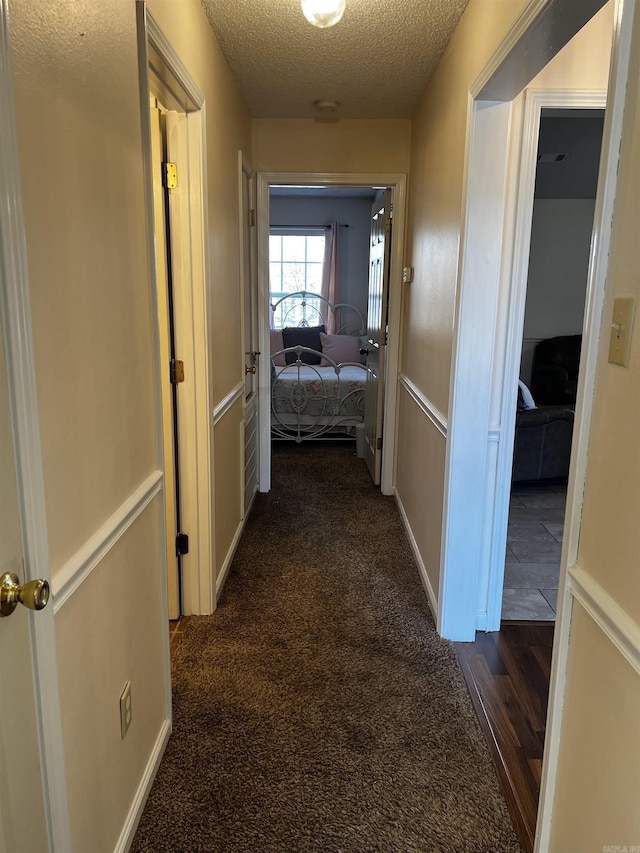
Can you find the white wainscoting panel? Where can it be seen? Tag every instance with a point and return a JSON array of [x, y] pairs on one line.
[[227, 402], [84, 561], [619, 627], [422, 569], [426, 407]]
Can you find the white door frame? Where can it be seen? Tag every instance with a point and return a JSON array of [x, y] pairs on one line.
[[18, 340], [399, 184], [173, 85], [509, 336]]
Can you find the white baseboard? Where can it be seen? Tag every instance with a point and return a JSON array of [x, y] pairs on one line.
[[422, 569], [222, 577], [139, 801]]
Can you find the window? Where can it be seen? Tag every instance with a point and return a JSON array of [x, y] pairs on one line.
[[295, 263]]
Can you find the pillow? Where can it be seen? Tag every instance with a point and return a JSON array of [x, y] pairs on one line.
[[276, 345], [340, 348], [303, 336]]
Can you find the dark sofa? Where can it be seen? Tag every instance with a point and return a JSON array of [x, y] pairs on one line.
[[543, 443], [554, 371], [543, 435]]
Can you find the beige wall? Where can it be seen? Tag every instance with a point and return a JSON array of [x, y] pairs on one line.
[[438, 142], [79, 134], [350, 145], [597, 800]]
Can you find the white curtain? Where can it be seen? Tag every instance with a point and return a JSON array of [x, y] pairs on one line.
[[330, 272]]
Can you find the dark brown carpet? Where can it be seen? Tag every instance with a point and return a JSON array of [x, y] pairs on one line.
[[317, 711]]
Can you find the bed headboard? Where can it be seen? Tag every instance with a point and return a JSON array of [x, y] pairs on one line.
[[303, 308]]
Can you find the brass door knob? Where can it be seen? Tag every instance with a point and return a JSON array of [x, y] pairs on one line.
[[34, 594]]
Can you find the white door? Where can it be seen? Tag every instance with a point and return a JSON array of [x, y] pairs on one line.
[[377, 331], [22, 814], [249, 332]]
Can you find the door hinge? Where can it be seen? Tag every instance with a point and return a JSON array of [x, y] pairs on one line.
[[169, 176], [182, 544], [176, 371], [252, 218], [379, 443]]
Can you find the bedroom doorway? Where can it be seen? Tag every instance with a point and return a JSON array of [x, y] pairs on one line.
[[273, 189]]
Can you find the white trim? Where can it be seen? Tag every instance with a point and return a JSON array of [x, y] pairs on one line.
[[510, 325], [422, 569], [426, 406], [18, 340], [624, 25], [612, 620], [398, 182], [178, 69], [510, 42], [144, 788], [226, 566], [78, 568], [227, 403]]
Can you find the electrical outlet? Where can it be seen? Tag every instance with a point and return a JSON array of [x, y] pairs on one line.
[[125, 709]]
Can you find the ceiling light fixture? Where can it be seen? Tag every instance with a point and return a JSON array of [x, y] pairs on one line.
[[323, 13]]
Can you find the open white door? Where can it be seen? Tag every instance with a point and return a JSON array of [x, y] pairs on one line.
[[250, 346], [22, 813], [33, 805], [377, 331]]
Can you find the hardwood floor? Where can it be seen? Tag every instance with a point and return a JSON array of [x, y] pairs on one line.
[[507, 673]]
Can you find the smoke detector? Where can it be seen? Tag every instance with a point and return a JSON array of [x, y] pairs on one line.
[[326, 110]]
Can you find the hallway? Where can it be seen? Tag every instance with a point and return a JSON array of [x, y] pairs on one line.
[[317, 709]]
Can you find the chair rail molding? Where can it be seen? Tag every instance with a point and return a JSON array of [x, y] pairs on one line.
[[424, 404], [78, 568]]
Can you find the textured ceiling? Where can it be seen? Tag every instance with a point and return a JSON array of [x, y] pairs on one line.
[[376, 62]]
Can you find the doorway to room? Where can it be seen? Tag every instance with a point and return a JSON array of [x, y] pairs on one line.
[[568, 161], [328, 291], [285, 211]]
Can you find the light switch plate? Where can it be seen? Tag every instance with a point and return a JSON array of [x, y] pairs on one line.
[[621, 328]]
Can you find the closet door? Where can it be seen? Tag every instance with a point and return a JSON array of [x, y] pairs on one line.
[[377, 331]]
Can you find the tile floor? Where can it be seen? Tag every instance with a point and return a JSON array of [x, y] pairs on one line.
[[534, 541]]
